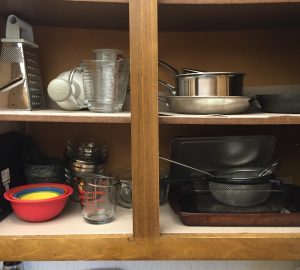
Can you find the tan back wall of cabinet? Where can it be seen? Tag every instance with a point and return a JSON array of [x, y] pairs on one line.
[[51, 140], [61, 49], [268, 57]]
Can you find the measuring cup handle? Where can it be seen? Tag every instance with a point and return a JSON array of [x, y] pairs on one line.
[[73, 91]]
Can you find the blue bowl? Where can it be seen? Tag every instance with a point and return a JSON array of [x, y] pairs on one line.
[[23, 192]]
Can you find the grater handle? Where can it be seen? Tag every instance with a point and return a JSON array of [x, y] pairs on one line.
[[16, 28], [12, 84]]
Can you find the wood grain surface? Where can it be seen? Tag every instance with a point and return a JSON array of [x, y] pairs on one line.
[[167, 247], [275, 53], [144, 117]]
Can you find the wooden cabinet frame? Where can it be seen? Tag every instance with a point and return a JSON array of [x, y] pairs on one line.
[[146, 242]]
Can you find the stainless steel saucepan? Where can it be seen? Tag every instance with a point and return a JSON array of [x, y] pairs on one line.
[[200, 83]]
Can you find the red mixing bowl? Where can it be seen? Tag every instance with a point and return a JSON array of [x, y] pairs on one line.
[[37, 210]]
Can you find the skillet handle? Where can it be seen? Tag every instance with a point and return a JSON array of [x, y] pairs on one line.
[[189, 70], [168, 86], [164, 100]]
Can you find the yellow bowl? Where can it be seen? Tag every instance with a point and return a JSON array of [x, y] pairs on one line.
[[40, 195]]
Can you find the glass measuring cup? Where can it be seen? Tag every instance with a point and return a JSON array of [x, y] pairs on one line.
[[98, 197], [105, 84]]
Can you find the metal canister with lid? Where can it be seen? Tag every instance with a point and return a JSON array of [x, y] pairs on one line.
[[86, 156]]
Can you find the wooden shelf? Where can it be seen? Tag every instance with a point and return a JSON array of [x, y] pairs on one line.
[[164, 118], [102, 14], [176, 15], [64, 116], [61, 232], [206, 15], [64, 224], [240, 119], [68, 238]]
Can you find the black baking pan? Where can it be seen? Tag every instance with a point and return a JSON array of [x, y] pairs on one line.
[[280, 103], [201, 209], [220, 153]]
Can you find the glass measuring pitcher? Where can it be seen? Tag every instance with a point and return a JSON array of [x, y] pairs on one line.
[[98, 197], [105, 84]]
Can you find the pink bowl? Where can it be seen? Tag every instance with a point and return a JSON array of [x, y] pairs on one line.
[[37, 210]]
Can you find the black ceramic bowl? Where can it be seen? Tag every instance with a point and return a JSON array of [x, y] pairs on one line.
[[51, 171]]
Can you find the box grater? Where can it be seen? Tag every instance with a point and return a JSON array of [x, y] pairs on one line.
[[25, 85]]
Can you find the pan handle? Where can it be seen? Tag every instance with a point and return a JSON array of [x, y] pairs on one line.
[[164, 100], [176, 72], [12, 84], [187, 166], [168, 67], [168, 86], [189, 70]]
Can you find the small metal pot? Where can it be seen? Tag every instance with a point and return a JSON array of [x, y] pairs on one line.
[[199, 83]]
